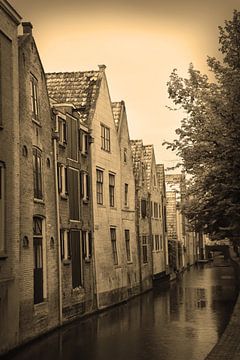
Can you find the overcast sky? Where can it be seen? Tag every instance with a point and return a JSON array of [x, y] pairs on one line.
[[140, 42]]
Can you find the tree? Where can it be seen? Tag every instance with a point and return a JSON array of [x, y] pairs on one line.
[[208, 141]]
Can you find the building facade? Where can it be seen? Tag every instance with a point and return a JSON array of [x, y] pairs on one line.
[[128, 199], [9, 177], [38, 243]]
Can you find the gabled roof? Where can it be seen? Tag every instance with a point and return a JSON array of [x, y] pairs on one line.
[[137, 151], [117, 108], [78, 88], [148, 158]]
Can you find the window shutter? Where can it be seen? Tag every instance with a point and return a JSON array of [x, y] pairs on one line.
[[88, 186], [80, 137], [62, 243], [86, 143], [90, 243], [84, 244], [59, 177], [66, 180], [69, 245], [82, 184], [65, 132]]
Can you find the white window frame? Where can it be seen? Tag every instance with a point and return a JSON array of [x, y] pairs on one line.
[[65, 243], [62, 169], [60, 122]]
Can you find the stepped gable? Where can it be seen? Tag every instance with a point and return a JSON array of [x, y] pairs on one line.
[[117, 108], [148, 156], [78, 88]]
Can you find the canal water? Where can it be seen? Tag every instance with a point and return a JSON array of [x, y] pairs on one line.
[[181, 321]]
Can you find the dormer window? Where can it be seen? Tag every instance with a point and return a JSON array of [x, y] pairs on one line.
[[62, 130]]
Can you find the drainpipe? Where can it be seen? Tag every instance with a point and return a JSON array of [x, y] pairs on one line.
[[55, 137]]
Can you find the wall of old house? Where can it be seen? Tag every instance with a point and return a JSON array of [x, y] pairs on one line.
[[9, 162], [128, 211], [111, 280], [80, 300], [37, 318]]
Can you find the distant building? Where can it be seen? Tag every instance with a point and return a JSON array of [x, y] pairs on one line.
[[143, 216], [181, 241]]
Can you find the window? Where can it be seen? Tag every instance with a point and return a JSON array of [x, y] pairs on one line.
[[85, 185], [114, 245], [83, 141], [34, 98], [86, 244], [126, 194], [125, 155], [62, 130], [37, 173], [65, 244], [99, 187], [73, 192], [156, 214], [38, 259], [5, 78], [144, 249], [2, 208], [62, 180], [157, 243], [161, 242], [105, 138], [77, 273], [127, 242], [143, 208], [72, 124], [111, 190]]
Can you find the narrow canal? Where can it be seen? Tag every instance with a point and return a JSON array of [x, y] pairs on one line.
[[181, 321]]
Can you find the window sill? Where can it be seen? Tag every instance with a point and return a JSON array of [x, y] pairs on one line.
[[37, 122], [130, 262], [41, 306], [3, 256], [62, 145], [117, 266], [63, 196], [84, 154], [87, 260], [39, 201], [101, 206], [85, 201], [112, 208], [66, 262]]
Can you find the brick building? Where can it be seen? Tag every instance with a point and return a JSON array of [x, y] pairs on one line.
[[143, 215], [128, 198], [9, 177], [74, 205], [88, 92], [39, 260]]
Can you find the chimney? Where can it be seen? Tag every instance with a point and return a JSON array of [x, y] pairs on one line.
[[102, 67], [27, 28]]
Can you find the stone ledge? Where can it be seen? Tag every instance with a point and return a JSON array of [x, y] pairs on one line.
[[228, 346]]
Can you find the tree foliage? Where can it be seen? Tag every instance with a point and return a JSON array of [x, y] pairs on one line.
[[208, 141]]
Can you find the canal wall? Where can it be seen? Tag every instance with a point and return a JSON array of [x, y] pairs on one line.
[[228, 347]]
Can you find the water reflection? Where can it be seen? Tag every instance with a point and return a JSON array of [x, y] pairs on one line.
[[177, 322]]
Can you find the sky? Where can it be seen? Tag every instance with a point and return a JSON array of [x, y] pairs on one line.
[[140, 42]]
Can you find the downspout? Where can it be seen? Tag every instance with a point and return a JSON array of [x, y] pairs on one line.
[[55, 136]]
